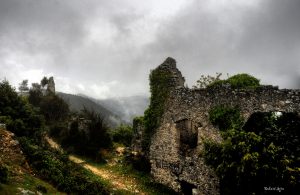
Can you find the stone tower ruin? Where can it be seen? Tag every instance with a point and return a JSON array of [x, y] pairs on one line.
[[51, 85]]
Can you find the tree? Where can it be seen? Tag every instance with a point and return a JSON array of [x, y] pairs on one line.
[[262, 153], [205, 81], [54, 108], [35, 95], [88, 134], [23, 86], [123, 134], [20, 117], [44, 81]]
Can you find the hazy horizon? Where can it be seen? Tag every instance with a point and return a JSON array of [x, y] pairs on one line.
[[106, 49]]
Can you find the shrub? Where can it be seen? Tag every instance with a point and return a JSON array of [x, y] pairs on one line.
[[54, 108], [225, 117], [262, 153], [207, 80], [123, 134], [3, 174], [243, 81], [62, 173], [88, 136], [21, 118], [57, 129], [138, 162], [239, 81]]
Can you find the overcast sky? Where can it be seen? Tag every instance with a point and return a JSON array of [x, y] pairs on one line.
[[106, 48]]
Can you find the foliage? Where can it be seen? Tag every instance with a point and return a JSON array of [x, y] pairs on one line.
[[56, 168], [138, 162], [239, 81], [123, 134], [19, 116], [97, 130], [23, 86], [44, 81], [145, 181], [205, 81], [225, 117], [137, 120], [159, 81], [54, 108], [87, 135], [264, 153], [3, 174], [35, 95], [57, 129]]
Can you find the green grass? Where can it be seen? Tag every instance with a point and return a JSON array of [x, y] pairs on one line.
[[27, 182], [145, 182]]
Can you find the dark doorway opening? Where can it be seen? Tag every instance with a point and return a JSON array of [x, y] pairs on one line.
[[187, 188], [188, 132]]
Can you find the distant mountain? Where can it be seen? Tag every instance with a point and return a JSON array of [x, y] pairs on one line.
[[77, 103], [126, 107]]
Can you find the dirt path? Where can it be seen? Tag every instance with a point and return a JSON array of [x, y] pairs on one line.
[[118, 181]]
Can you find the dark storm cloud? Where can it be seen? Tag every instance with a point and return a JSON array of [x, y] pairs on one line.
[[272, 40], [50, 28], [262, 39], [107, 48]]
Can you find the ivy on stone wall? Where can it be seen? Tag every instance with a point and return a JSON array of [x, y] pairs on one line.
[[160, 80]]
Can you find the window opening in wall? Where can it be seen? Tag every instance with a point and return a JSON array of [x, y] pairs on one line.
[[188, 132]]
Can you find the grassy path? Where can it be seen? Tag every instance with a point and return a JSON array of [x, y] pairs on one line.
[[121, 178], [118, 181]]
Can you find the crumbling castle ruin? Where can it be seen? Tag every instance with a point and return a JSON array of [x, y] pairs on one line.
[[177, 145], [51, 86]]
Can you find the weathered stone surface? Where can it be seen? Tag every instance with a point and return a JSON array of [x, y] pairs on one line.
[[138, 128], [51, 85], [177, 145]]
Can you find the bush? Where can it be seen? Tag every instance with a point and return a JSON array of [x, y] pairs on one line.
[[207, 80], [123, 134], [225, 117], [239, 81], [57, 129], [262, 153], [3, 174], [21, 118], [88, 135], [54, 108], [62, 173], [139, 163]]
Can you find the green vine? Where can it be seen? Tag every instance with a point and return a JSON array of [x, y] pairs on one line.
[[159, 88]]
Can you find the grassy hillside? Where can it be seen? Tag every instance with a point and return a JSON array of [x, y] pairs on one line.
[[16, 175], [126, 107], [77, 103]]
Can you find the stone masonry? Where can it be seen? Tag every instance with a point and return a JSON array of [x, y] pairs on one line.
[[51, 86], [177, 145]]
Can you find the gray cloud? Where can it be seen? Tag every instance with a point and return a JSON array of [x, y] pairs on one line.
[[107, 48], [261, 39]]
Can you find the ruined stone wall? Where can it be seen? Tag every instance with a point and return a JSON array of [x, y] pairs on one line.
[[177, 146], [51, 86], [138, 128]]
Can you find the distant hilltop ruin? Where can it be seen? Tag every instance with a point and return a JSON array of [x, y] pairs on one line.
[[178, 142]]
